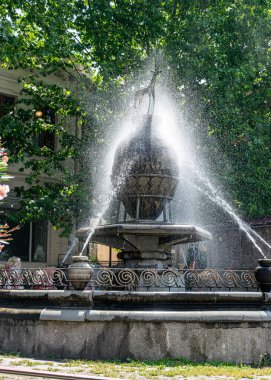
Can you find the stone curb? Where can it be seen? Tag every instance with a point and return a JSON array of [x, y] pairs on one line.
[[89, 296], [234, 316], [221, 297]]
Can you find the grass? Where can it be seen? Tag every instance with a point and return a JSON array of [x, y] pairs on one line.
[[169, 368], [23, 363], [52, 369], [166, 368], [11, 354]]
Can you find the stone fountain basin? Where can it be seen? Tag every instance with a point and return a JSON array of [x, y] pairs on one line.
[[199, 326], [124, 235]]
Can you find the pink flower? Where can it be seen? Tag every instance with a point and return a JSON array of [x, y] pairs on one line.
[[4, 189]]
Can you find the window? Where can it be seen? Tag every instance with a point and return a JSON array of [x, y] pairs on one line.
[[19, 246], [39, 241], [7, 103], [46, 138], [29, 243]]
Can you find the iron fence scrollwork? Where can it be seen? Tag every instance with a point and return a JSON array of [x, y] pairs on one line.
[[132, 279]]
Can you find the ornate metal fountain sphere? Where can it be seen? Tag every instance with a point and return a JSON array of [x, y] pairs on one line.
[[145, 176]]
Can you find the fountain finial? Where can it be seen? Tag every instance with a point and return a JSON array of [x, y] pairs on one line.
[[149, 90]]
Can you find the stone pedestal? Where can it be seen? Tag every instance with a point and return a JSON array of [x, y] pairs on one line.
[[147, 252]]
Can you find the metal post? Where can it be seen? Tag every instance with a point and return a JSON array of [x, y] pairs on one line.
[[169, 203], [137, 207], [164, 210], [110, 257], [118, 211]]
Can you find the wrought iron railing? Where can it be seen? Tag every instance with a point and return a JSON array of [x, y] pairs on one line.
[[132, 279]]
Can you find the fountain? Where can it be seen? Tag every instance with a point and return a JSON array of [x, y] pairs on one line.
[[144, 177], [146, 308]]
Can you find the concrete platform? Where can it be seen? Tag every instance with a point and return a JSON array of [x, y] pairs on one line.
[[235, 336], [69, 325]]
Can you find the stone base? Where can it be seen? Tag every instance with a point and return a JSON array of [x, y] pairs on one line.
[[200, 326], [85, 334]]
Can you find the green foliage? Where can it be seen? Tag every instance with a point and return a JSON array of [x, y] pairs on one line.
[[221, 54], [58, 200], [218, 56]]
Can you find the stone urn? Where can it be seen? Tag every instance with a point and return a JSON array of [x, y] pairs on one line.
[[263, 274], [79, 272]]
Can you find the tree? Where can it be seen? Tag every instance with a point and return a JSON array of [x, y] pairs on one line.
[[218, 53], [221, 54]]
